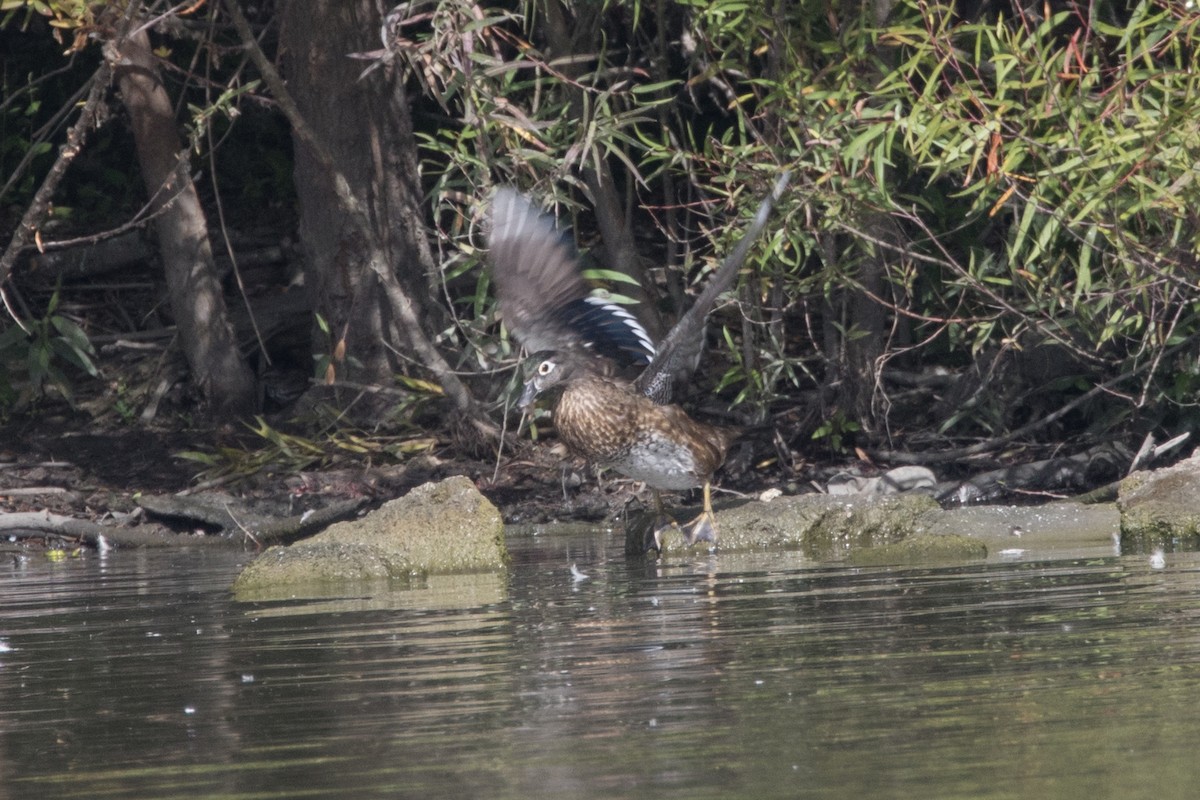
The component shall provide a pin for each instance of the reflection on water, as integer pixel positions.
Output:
(136, 675)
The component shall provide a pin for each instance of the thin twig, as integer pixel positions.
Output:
(143, 216)
(243, 528)
(44, 133)
(980, 448)
(36, 212)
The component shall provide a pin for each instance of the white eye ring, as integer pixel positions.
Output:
(545, 367)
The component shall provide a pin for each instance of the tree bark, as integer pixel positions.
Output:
(366, 126)
(866, 340)
(364, 226)
(197, 301)
(859, 389)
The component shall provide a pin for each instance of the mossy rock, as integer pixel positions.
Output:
(927, 548)
(443, 527)
(823, 527)
(1159, 508)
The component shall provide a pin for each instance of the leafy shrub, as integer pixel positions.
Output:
(40, 358)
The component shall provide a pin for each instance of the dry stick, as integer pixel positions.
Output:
(948, 261)
(32, 464)
(48, 129)
(243, 528)
(899, 457)
(229, 251)
(36, 212)
(40, 524)
(33, 491)
(54, 524)
(402, 305)
(140, 218)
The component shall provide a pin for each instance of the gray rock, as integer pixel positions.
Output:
(921, 548)
(1056, 530)
(823, 527)
(894, 481)
(1161, 508)
(444, 527)
(905, 529)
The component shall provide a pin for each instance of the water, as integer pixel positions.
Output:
(136, 675)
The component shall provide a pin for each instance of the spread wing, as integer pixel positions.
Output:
(679, 354)
(535, 273)
(542, 294)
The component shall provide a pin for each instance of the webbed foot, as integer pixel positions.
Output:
(702, 529)
(663, 524)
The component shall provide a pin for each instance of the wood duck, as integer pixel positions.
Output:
(581, 343)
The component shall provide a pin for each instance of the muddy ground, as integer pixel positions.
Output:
(66, 463)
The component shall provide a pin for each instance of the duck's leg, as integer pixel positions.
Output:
(662, 523)
(704, 527)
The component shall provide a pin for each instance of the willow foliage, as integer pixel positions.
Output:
(1035, 168)
(971, 179)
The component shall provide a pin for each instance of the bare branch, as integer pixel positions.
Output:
(34, 215)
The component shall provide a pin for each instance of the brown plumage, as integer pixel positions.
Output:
(630, 427)
(608, 422)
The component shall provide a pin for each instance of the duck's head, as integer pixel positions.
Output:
(550, 371)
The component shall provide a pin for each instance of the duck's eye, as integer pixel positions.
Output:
(545, 368)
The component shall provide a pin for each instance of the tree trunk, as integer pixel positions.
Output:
(859, 390)
(364, 223)
(866, 341)
(366, 127)
(197, 302)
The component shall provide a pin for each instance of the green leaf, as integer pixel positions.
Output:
(600, 274)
